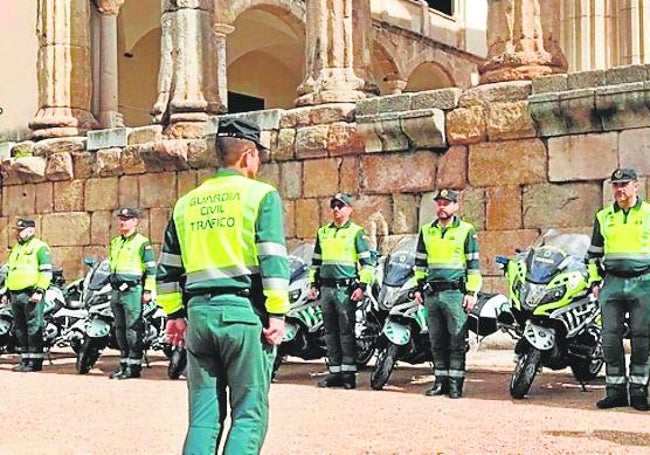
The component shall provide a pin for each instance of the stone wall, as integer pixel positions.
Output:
(528, 155)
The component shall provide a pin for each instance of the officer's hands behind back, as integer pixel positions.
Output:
(176, 331)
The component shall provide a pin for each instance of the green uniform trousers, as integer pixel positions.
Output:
(28, 320)
(226, 352)
(339, 321)
(129, 327)
(447, 323)
(617, 297)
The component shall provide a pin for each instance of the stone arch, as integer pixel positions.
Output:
(428, 76)
(385, 71)
(265, 52)
(411, 51)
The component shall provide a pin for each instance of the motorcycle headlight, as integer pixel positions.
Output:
(553, 295)
(531, 294)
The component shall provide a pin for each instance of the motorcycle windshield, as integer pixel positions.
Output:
(399, 267)
(100, 276)
(297, 268)
(299, 260)
(559, 252)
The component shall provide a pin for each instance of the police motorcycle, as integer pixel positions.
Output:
(405, 335)
(58, 317)
(98, 329)
(553, 314)
(304, 334)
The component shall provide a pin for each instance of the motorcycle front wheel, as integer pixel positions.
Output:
(177, 363)
(89, 354)
(384, 367)
(525, 372)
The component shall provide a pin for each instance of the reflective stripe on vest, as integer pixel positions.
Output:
(338, 246)
(22, 265)
(216, 228)
(125, 256)
(626, 237)
(448, 251)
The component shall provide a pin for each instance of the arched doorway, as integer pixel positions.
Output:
(265, 60)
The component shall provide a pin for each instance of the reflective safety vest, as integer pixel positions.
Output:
(339, 255)
(626, 236)
(446, 251)
(24, 270)
(338, 244)
(125, 258)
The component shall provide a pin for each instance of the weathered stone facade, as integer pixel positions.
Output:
(520, 176)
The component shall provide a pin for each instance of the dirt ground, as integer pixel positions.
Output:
(60, 412)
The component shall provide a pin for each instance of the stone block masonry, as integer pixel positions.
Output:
(527, 155)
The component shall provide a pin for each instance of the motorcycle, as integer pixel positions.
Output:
(58, 316)
(98, 329)
(553, 314)
(405, 335)
(304, 334)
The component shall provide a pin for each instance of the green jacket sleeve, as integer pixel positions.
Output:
(474, 278)
(44, 257)
(272, 254)
(149, 260)
(170, 273)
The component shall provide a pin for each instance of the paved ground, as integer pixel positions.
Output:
(60, 412)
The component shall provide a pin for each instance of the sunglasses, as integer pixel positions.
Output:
(336, 205)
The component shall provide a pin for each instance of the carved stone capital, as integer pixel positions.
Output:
(110, 7)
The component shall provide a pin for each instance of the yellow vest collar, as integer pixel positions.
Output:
(454, 223)
(345, 225)
(636, 206)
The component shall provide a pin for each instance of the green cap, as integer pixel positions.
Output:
(623, 175)
(345, 198)
(241, 129)
(450, 195)
(128, 212)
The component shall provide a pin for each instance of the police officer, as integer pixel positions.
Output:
(447, 269)
(340, 246)
(133, 279)
(29, 272)
(224, 249)
(620, 244)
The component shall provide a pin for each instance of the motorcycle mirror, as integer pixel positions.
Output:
(89, 261)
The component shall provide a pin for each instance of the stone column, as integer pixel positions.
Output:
(522, 40)
(188, 91)
(109, 116)
(634, 20)
(338, 49)
(589, 35)
(63, 67)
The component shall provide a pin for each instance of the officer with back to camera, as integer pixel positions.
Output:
(224, 251)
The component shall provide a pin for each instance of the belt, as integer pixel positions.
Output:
(330, 282)
(623, 274)
(439, 286)
(214, 292)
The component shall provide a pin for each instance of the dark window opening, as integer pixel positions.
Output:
(444, 6)
(238, 102)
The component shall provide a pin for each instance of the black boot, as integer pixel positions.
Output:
(616, 398)
(456, 387)
(331, 380)
(349, 381)
(20, 367)
(35, 365)
(119, 372)
(639, 398)
(131, 371)
(439, 387)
